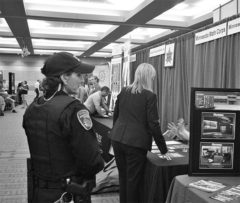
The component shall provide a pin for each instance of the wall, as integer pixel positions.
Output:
(29, 68)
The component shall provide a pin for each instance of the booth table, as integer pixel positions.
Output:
(181, 192)
(159, 173)
(102, 127)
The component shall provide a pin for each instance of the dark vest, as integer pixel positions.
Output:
(49, 148)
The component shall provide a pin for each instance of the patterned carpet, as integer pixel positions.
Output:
(13, 154)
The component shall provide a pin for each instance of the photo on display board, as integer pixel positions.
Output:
(216, 155)
(218, 100)
(218, 125)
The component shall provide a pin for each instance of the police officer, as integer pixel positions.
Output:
(63, 147)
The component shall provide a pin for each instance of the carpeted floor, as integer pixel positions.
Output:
(13, 154)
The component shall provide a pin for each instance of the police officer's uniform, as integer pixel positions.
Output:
(62, 145)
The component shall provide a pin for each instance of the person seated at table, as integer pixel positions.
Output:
(93, 83)
(82, 94)
(178, 131)
(96, 102)
(7, 98)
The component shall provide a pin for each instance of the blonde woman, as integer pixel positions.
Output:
(135, 122)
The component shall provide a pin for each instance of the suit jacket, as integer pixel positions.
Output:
(136, 120)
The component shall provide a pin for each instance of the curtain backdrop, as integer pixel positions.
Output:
(211, 64)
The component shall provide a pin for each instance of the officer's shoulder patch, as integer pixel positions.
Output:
(84, 119)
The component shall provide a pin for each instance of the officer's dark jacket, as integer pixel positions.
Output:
(136, 120)
(59, 145)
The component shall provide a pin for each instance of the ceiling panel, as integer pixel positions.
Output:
(190, 9)
(4, 28)
(103, 9)
(74, 30)
(9, 42)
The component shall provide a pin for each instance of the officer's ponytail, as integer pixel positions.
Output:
(50, 85)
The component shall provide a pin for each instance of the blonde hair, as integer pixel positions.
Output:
(143, 78)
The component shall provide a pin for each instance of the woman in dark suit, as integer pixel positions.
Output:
(135, 122)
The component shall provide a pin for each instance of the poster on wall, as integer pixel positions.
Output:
(116, 69)
(103, 73)
(169, 55)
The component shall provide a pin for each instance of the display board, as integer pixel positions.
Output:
(214, 132)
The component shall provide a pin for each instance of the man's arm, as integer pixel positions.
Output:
(97, 104)
(104, 105)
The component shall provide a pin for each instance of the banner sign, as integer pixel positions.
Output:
(126, 64)
(103, 73)
(169, 55)
(211, 34)
(233, 26)
(115, 80)
(157, 51)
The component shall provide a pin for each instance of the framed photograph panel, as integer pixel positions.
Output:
(218, 125)
(215, 155)
(214, 132)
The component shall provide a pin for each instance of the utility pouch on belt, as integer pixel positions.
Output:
(81, 188)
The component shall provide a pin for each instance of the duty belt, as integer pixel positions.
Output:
(46, 184)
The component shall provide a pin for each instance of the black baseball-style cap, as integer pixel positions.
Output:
(63, 62)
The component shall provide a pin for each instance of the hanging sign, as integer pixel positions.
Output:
(157, 51)
(126, 63)
(233, 26)
(211, 34)
(169, 55)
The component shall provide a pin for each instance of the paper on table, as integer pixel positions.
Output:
(208, 186)
(172, 155)
(228, 195)
(170, 142)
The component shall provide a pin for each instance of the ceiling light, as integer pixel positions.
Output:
(102, 54)
(8, 41)
(49, 52)
(10, 50)
(60, 43)
(143, 33)
(70, 29)
(113, 8)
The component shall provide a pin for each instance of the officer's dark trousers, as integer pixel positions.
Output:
(130, 162)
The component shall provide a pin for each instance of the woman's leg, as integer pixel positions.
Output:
(122, 170)
(24, 101)
(136, 159)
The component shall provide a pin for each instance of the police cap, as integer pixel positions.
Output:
(63, 62)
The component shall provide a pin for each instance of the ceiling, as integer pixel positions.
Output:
(92, 28)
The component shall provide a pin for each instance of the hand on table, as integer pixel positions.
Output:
(166, 156)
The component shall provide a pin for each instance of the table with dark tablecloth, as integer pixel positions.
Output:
(181, 192)
(159, 173)
(102, 127)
